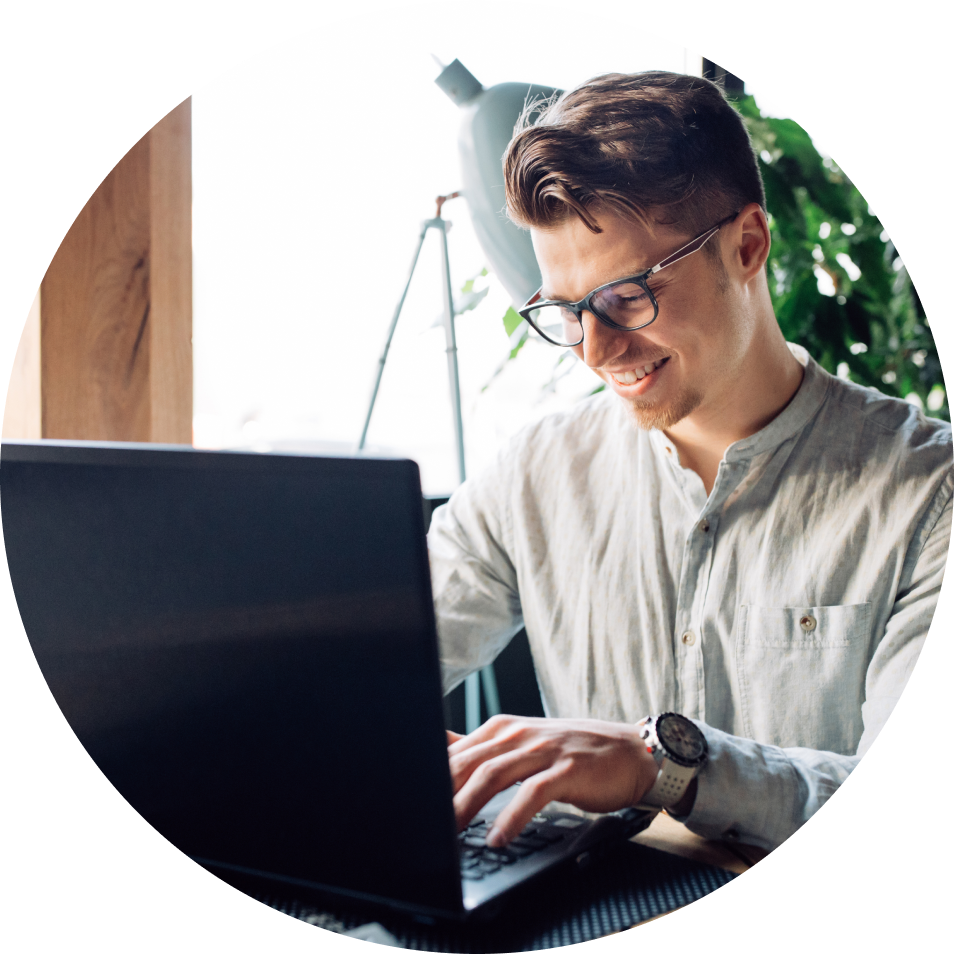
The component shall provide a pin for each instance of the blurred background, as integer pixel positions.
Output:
(309, 188)
(233, 279)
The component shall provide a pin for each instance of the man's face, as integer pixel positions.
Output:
(689, 361)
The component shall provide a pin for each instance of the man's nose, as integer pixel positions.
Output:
(601, 344)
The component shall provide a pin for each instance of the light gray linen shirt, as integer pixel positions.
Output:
(642, 595)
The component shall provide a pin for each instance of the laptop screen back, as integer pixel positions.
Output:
(245, 645)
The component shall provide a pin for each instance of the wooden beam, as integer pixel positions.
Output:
(21, 413)
(170, 350)
(116, 301)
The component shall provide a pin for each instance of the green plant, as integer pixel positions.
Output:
(837, 283)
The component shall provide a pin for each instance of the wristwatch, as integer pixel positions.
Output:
(680, 751)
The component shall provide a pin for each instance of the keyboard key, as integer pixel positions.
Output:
(530, 841)
(549, 835)
(520, 851)
(472, 874)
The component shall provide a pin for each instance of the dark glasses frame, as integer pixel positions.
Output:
(585, 304)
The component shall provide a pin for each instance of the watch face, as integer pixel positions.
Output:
(681, 737)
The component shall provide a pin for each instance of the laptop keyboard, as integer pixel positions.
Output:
(477, 860)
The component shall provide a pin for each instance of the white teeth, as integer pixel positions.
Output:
(631, 377)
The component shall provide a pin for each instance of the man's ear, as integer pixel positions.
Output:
(749, 241)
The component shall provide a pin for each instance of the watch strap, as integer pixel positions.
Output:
(673, 777)
(670, 785)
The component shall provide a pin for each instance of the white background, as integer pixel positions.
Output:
(309, 187)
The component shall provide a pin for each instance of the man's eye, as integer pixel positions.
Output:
(629, 293)
(628, 290)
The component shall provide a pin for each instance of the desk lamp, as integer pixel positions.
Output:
(487, 123)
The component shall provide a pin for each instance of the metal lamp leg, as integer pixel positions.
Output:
(486, 676)
(487, 679)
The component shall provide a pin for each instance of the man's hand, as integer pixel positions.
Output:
(597, 766)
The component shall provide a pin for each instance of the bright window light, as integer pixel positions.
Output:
(304, 226)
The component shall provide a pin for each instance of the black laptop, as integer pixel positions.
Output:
(245, 644)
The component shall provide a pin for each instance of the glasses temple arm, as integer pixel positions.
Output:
(688, 249)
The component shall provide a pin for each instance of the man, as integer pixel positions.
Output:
(727, 532)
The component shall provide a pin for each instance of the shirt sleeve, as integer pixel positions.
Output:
(760, 794)
(474, 581)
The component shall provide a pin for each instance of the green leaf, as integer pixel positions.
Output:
(470, 300)
(859, 319)
(523, 340)
(511, 321)
(869, 255)
(468, 286)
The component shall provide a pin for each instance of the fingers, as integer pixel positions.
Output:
(531, 798)
(492, 777)
(480, 747)
(597, 766)
(494, 727)
(452, 737)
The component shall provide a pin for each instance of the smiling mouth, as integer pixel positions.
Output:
(631, 377)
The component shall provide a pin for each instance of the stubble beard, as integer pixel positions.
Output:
(649, 415)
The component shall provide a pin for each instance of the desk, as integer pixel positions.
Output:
(666, 834)
(670, 836)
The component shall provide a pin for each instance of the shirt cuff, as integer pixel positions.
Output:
(746, 792)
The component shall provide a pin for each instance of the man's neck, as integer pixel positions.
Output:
(771, 382)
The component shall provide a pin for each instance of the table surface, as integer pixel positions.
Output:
(666, 834)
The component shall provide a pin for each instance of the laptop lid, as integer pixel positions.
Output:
(245, 644)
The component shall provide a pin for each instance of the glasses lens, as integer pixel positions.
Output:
(558, 324)
(627, 304)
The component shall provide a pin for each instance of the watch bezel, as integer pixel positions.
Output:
(697, 762)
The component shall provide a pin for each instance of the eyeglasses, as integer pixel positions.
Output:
(626, 304)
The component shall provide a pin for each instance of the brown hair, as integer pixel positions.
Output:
(655, 146)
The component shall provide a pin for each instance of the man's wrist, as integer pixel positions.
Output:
(679, 748)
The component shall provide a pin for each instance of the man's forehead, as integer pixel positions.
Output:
(573, 260)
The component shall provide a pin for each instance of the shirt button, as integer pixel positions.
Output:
(669, 450)
(689, 638)
(808, 623)
(704, 526)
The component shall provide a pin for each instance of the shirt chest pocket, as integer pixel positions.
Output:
(802, 674)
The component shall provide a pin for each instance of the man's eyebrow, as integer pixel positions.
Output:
(633, 273)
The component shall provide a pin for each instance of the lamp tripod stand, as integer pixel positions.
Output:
(485, 677)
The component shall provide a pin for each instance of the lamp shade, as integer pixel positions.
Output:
(487, 125)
